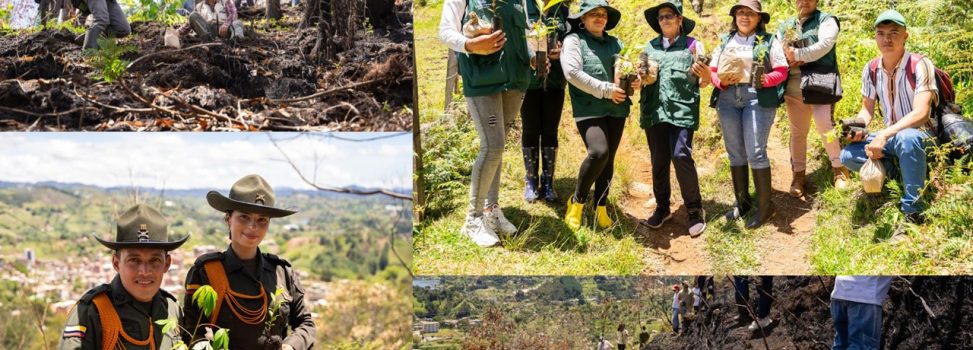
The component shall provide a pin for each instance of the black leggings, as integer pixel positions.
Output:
(602, 137)
(540, 114)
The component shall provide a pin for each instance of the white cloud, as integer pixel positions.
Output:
(201, 160)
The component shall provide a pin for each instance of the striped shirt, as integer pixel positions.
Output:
(896, 99)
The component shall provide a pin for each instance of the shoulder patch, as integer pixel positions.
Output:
(91, 293)
(74, 332)
(276, 259)
(202, 259)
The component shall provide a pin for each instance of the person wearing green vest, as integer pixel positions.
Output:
(122, 314)
(670, 112)
(540, 113)
(814, 51)
(495, 65)
(747, 112)
(599, 105)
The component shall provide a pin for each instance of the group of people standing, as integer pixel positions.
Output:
(498, 67)
(259, 298)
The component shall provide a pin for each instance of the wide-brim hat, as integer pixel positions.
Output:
(142, 226)
(753, 5)
(587, 5)
(652, 16)
(251, 194)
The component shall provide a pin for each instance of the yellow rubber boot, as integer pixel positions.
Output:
(573, 216)
(601, 214)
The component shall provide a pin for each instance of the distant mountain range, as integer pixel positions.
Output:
(282, 191)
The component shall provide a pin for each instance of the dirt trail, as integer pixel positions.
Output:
(782, 250)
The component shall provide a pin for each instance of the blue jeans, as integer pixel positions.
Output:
(908, 146)
(675, 319)
(746, 126)
(857, 326)
(765, 294)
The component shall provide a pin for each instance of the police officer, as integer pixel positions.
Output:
(122, 314)
(245, 279)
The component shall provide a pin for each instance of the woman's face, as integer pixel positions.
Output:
(806, 7)
(670, 22)
(746, 20)
(247, 230)
(595, 20)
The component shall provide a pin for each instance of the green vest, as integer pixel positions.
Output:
(507, 69)
(809, 33)
(598, 55)
(770, 97)
(674, 98)
(556, 16)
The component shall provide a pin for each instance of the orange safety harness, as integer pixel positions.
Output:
(219, 282)
(111, 326)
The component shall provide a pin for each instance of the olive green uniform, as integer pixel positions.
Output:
(246, 277)
(83, 328)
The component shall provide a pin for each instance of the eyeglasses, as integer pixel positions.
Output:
(248, 221)
(667, 17)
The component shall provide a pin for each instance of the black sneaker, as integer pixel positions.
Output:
(697, 222)
(659, 217)
(915, 218)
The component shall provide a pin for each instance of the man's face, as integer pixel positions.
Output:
(141, 270)
(247, 230)
(890, 38)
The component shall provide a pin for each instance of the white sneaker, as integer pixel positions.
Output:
(496, 221)
(764, 322)
(481, 234)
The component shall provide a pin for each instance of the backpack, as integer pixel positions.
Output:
(958, 129)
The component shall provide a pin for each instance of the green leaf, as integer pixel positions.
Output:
(221, 340)
(551, 5)
(205, 298)
(180, 345)
(167, 325)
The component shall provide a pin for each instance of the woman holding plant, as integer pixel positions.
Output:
(810, 47)
(540, 113)
(670, 110)
(495, 68)
(259, 297)
(599, 101)
(750, 67)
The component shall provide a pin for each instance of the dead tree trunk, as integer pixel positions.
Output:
(311, 13)
(337, 28)
(273, 10)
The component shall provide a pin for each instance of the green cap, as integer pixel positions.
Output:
(890, 16)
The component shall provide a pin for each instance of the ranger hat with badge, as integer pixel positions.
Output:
(251, 194)
(142, 226)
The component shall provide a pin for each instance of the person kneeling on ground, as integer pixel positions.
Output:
(907, 124)
(105, 14)
(212, 18)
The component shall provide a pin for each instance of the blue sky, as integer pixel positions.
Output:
(206, 160)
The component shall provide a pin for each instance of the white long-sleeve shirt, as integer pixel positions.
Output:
(451, 25)
(573, 65)
(827, 36)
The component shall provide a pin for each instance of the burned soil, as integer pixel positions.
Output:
(266, 81)
(920, 313)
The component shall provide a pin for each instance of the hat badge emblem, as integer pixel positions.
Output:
(143, 233)
(259, 199)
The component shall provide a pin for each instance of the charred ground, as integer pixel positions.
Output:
(270, 80)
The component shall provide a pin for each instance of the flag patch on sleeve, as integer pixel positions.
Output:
(74, 331)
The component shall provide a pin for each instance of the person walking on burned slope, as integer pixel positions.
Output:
(108, 20)
(495, 66)
(121, 314)
(246, 280)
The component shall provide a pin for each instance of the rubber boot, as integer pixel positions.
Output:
(602, 218)
(530, 180)
(765, 208)
(573, 216)
(741, 190)
(549, 158)
(797, 185)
